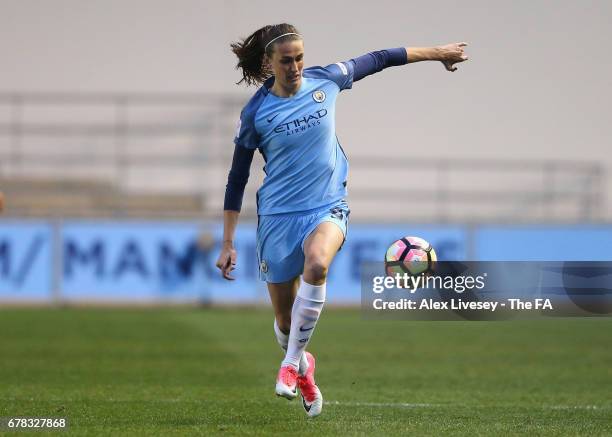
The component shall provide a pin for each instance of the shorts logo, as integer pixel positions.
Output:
(337, 213)
(318, 96)
(263, 266)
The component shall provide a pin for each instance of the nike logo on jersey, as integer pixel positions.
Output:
(269, 120)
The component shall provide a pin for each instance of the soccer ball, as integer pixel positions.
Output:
(411, 255)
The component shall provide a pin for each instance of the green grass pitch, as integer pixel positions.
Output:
(189, 371)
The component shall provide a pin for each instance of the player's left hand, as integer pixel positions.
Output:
(451, 54)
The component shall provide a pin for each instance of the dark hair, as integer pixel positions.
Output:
(251, 50)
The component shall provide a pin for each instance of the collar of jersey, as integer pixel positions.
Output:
(270, 82)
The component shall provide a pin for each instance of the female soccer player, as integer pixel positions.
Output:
(302, 212)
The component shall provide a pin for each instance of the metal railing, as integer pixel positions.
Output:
(180, 145)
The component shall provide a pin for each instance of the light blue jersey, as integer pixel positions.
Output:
(305, 166)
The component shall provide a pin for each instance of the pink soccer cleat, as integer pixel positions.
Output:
(286, 382)
(312, 399)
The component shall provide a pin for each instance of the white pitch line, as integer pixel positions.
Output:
(416, 405)
(340, 403)
(578, 407)
(381, 404)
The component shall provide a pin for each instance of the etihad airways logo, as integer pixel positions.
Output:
(302, 123)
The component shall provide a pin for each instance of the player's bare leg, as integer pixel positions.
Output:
(282, 296)
(320, 248)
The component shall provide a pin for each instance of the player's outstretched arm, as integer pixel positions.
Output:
(227, 258)
(373, 62)
(448, 54)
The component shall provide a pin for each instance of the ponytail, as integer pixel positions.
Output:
(251, 50)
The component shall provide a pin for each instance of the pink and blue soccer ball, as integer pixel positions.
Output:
(412, 255)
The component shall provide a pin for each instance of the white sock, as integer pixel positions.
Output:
(283, 339)
(304, 315)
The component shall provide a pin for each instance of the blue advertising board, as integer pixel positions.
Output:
(154, 261)
(123, 261)
(162, 261)
(543, 243)
(25, 261)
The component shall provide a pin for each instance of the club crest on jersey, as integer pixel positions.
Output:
(318, 96)
(263, 266)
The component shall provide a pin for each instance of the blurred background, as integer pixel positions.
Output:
(117, 120)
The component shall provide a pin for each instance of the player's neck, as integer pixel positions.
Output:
(285, 91)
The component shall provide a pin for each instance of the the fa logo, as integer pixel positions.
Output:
(263, 266)
(543, 304)
(318, 96)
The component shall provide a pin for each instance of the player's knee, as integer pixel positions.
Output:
(316, 270)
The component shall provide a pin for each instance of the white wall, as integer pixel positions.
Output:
(538, 83)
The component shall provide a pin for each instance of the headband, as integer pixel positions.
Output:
(280, 36)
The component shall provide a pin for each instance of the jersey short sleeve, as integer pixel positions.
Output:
(246, 135)
(341, 73)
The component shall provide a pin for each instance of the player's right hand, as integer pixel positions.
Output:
(227, 261)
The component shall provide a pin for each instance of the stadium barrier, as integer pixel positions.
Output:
(135, 261)
(159, 155)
